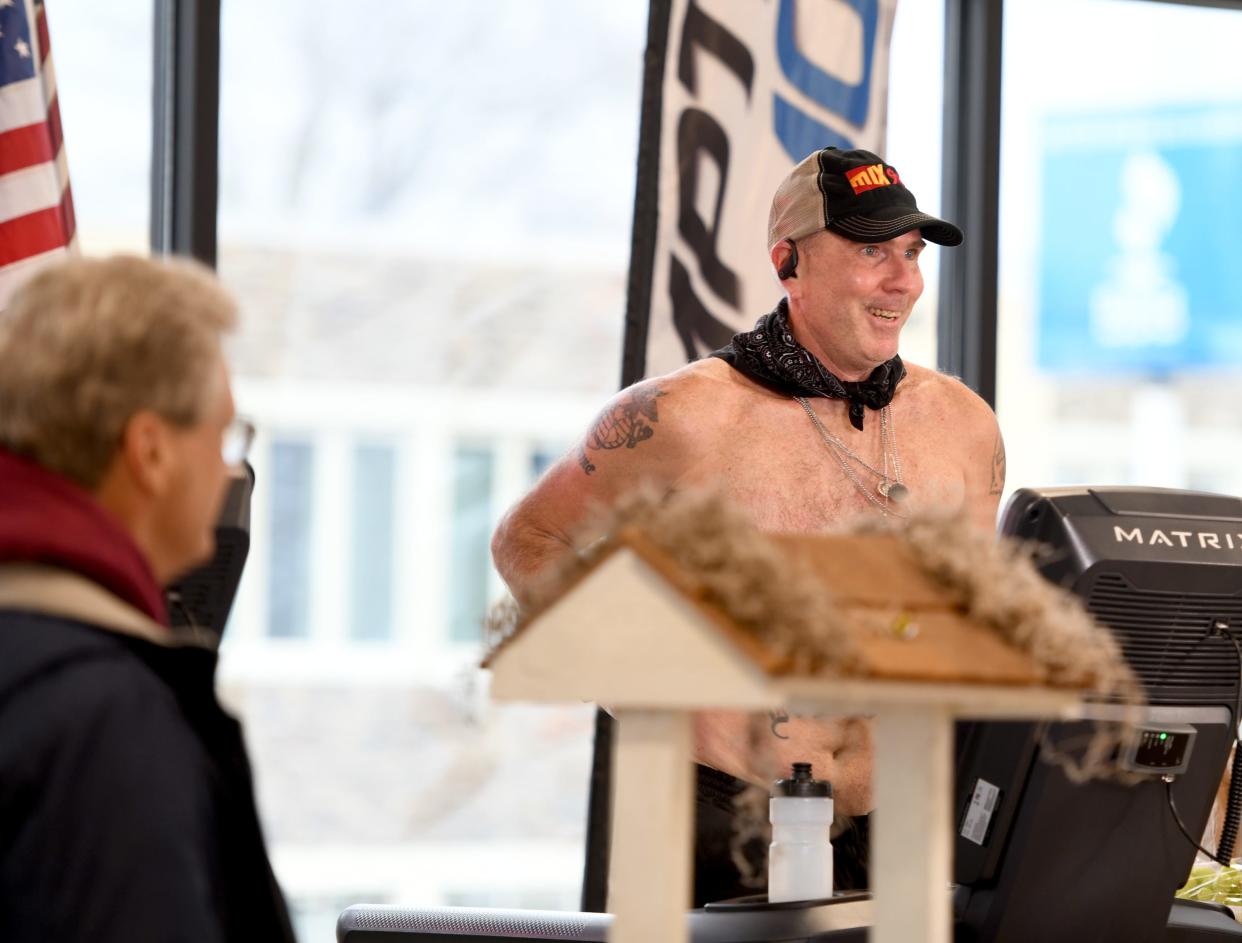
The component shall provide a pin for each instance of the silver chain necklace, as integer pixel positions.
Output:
(890, 488)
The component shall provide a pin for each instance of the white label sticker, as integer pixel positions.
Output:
(979, 813)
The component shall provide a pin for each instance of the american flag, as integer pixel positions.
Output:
(36, 207)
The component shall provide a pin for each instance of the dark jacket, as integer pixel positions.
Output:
(126, 801)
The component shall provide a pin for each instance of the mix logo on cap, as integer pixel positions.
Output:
(867, 178)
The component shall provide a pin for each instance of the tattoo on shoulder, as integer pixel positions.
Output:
(998, 467)
(624, 424)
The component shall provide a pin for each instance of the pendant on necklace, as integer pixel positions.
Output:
(893, 490)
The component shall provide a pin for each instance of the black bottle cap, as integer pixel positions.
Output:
(803, 785)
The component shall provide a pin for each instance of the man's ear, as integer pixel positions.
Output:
(784, 257)
(146, 451)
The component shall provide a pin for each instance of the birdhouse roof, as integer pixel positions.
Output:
(637, 624)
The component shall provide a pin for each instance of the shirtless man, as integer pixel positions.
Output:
(807, 421)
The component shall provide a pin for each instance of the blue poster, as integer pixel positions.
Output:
(1140, 265)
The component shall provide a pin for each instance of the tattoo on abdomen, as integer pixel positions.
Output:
(625, 424)
(779, 719)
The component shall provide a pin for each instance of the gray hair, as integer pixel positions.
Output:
(87, 343)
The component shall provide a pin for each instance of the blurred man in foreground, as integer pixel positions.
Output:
(126, 803)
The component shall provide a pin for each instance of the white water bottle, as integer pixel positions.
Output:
(800, 857)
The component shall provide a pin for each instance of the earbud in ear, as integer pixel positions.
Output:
(789, 269)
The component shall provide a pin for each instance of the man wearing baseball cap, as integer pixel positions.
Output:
(807, 421)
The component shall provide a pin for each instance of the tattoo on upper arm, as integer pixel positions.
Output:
(998, 467)
(626, 423)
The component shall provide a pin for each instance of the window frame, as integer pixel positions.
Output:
(185, 121)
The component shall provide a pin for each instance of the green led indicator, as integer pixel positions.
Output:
(1164, 736)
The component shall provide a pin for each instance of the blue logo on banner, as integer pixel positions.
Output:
(1139, 240)
(797, 131)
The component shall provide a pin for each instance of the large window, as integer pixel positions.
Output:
(1120, 315)
(429, 238)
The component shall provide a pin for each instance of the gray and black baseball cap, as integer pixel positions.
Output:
(854, 194)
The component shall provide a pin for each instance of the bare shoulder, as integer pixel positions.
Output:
(714, 377)
(951, 412)
(947, 398)
(705, 392)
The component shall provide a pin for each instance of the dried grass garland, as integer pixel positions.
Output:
(784, 605)
(1001, 587)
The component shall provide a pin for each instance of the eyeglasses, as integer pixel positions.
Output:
(235, 444)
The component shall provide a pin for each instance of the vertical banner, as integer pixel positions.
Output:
(736, 92)
(36, 206)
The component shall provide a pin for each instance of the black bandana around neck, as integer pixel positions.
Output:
(770, 355)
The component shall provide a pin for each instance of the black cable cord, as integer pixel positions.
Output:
(1233, 808)
(1233, 811)
(1168, 791)
(1226, 631)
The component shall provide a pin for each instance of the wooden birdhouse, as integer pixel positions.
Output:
(646, 637)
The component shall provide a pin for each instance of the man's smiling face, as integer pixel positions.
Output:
(851, 299)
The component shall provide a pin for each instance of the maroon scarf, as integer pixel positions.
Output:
(45, 518)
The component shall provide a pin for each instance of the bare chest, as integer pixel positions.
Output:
(777, 465)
